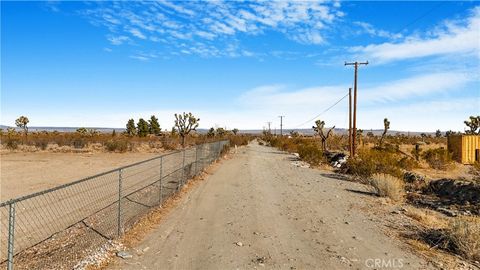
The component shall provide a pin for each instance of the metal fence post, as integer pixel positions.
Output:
(11, 235)
(119, 220)
(196, 159)
(183, 168)
(160, 182)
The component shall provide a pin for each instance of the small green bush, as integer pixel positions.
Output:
(12, 144)
(116, 146)
(438, 158)
(79, 143)
(371, 161)
(42, 144)
(311, 153)
(408, 163)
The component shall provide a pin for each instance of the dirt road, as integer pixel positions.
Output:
(260, 211)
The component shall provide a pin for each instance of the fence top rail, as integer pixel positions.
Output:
(35, 194)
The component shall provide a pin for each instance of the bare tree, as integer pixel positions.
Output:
(318, 128)
(386, 127)
(185, 123)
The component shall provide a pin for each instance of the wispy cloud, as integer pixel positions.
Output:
(369, 29)
(452, 37)
(427, 98)
(188, 27)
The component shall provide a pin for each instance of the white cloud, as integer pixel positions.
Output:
(416, 86)
(452, 37)
(372, 31)
(215, 23)
(118, 40)
(136, 33)
(419, 103)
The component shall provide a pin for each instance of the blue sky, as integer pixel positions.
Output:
(240, 64)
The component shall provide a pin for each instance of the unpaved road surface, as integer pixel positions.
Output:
(260, 211)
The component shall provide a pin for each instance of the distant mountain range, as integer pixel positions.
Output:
(305, 131)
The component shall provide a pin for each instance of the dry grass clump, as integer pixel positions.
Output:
(438, 158)
(464, 234)
(426, 217)
(389, 186)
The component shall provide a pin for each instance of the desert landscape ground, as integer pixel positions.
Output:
(27, 172)
(283, 134)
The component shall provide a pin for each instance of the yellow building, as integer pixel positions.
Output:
(464, 148)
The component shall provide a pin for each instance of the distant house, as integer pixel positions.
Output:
(464, 148)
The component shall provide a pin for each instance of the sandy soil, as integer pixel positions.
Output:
(25, 173)
(260, 211)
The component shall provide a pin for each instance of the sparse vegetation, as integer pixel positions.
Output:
(371, 161)
(117, 145)
(438, 158)
(386, 127)
(473, 124)
(311, 153)
(154, 126)
(389, 186)
(184, 124)
(464, 234)
(131, 130)
(142, 128)
(318, 128)
(22, 123)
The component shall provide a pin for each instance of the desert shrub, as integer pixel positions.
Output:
(117, 145)
(79, 143)
(438, 158)
(371, 161)
(464, 234)
(225, 149)
(42, 144)
(239, 140)
(475, 168)
(311, 153)
(408, 163)
(260, 143)
(12, 143)
(389, 186)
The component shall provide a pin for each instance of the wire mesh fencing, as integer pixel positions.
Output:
(59, 227)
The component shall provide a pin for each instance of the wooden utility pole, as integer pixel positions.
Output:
(354, 135)
(350, 147)
(269, 130)
(281, 125)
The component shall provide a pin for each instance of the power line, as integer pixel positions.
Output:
(326, 110)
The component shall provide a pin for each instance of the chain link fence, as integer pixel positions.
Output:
(59, 227)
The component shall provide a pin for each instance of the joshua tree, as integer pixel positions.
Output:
(184, 123)
(235, 131)
(438, 133)
(360, 136)
(114, 133)
(211, 133)
(318, 128)
(81, 131)
(154, 126)
(131, 130)
(142, 128)
(22, 122)
(473, 123)
(386, 127)
(221, 132)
